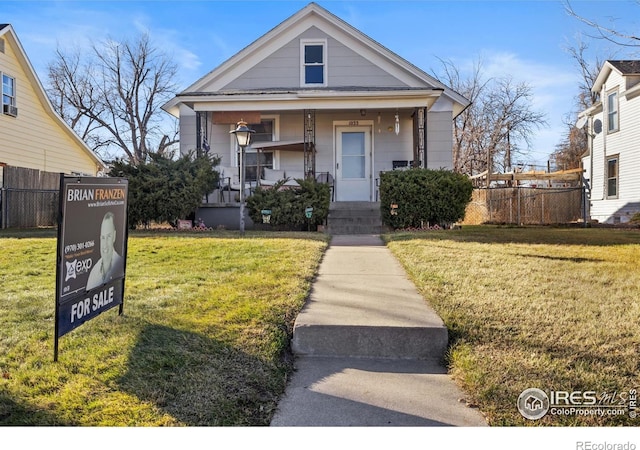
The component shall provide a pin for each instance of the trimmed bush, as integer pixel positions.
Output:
(164, 189)
(424, 197)
(288, 204)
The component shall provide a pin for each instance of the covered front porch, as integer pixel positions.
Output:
(346, 148)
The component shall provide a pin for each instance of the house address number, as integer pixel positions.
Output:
(353, 123)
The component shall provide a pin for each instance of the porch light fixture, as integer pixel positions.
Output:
(397, 126)
(243, 138)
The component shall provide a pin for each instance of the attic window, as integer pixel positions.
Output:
(612, 111)
(1, 45)
(8, 90)
(313, 55)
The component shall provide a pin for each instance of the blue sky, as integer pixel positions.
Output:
(526, 40)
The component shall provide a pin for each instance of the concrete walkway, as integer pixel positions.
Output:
(369, 349)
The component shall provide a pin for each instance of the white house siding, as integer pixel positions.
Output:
(34, 139)
(188, 130)
(626, 143)
(439, 140)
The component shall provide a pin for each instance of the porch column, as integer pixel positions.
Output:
(419, 137)
(310, 143)
(198, 133)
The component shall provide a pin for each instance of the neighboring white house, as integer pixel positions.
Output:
(323, 98)
(612, 162)
(32, 134)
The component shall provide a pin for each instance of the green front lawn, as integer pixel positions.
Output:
(203, 339)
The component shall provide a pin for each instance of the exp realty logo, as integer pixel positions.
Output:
(77, 267)
(535, 403)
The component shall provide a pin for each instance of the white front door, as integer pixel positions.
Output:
(353, 163)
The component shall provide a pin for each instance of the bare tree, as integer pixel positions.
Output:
(568, 153)
(497, 126)
(111, 96)
(608, 32)
(589, 70)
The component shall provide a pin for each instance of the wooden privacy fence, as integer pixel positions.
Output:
(525, 206)
(28, 198)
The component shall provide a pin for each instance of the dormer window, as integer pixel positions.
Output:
(313, 55)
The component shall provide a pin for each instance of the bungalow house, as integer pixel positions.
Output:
(612, 161)
(325, 101)
(36, 144)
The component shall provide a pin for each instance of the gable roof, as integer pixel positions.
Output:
(7, 32)
(623, 67)
(418, 82)
(626, 67)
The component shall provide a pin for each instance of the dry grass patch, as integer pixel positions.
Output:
(552, 308)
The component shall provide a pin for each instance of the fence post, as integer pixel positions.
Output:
(518, 215)
(511, 208)
(3, 208)
(584, 200)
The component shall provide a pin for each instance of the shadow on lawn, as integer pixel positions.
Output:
(18, 413)
(200, 381)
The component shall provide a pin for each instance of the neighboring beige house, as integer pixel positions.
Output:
(324, 99)
(612, 162)
(32, 134)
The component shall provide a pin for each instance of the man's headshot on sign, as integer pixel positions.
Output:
(110, 263)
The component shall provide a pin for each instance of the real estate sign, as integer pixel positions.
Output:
(92, 249)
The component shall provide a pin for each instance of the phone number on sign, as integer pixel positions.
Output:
(79, 246)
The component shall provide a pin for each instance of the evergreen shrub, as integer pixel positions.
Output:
(288, 204)
(424, 197)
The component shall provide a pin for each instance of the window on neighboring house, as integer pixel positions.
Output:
(8, 90)
(612, 112)
(314, 65)
(612, 177)
(264, 132)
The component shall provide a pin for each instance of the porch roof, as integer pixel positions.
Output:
(292, 146)
(279, 99)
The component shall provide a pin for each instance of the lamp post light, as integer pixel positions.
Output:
(243, 138)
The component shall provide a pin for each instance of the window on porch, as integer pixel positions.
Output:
(264, 132)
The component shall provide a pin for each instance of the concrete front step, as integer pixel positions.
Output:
(335, 230)
(362, 305)
(354, 218)
(370, 341)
